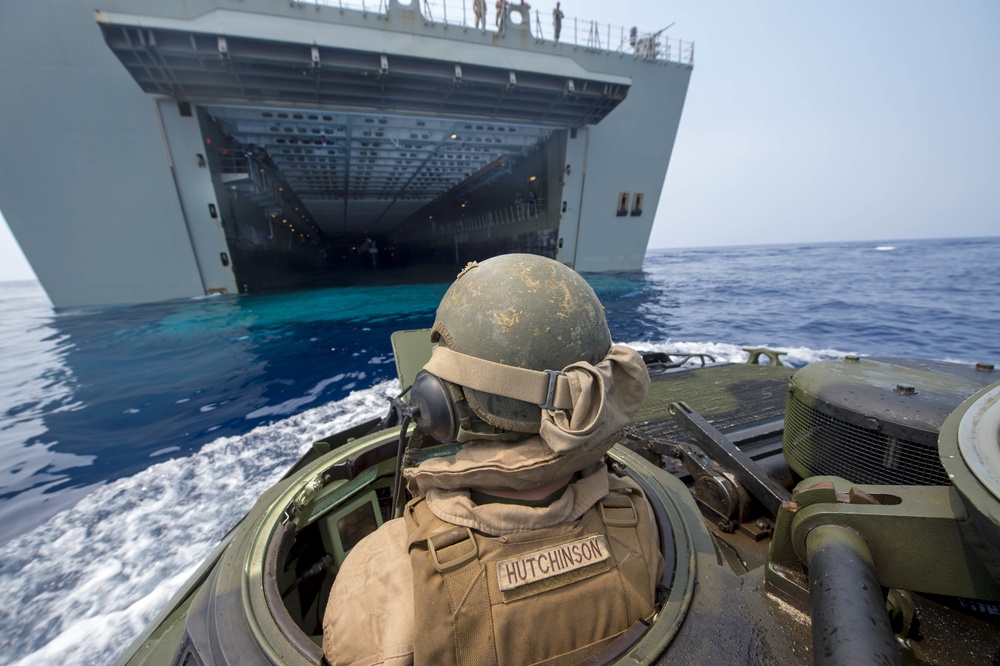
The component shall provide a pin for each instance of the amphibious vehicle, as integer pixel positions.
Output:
(844, 512)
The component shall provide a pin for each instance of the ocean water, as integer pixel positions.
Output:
(132, 438)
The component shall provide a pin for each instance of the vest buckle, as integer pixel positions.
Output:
(447, 539)
(618, 510)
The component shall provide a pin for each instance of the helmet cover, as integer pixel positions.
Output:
(526, 311)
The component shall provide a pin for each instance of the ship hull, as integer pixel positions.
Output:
(143, 162)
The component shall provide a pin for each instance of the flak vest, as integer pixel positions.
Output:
(550, 596)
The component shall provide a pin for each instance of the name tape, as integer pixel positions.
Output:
(541, 564)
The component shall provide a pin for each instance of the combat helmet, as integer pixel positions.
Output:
(516, 311)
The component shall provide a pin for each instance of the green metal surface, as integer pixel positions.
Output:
(916, 394)
(728, 396)
(718, 391)
(968, 471)
(874, 420)
(914, 532)
(412, 350)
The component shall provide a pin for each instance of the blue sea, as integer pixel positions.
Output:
(132, 438)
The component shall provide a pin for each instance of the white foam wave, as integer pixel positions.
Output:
(79, 588)
(885, 248)
(729, 353)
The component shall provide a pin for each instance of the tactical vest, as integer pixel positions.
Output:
(551, 596)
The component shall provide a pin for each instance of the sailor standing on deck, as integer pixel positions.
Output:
(520, 547)
(557, 17)
(479, 9)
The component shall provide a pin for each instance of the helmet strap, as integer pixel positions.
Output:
(549, 389)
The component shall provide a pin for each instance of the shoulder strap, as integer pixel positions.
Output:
(621, 520)
(447, 574)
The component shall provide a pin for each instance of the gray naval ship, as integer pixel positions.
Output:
(153, 150)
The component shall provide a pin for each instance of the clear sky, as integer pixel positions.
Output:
(810, 121)
(823, 121)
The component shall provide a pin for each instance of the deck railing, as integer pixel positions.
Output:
(590, 35)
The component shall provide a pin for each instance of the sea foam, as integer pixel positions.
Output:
(81, 587)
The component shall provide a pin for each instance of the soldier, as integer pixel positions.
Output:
(479, 8)
(501, 18)
(557, 17)
(523, 527)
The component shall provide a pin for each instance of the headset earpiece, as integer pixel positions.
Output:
(434, 412)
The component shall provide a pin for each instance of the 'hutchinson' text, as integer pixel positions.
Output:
(542, 564)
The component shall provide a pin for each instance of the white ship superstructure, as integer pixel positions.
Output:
(155, 150)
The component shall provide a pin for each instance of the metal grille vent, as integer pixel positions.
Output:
(827, 446)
